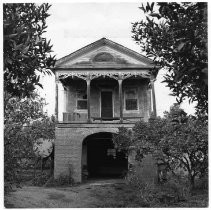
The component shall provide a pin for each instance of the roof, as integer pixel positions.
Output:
(92, 58)
(100, 42)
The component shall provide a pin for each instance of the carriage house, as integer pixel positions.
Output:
(99, 88)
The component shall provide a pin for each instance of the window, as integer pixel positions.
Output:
(81, 100)
(131, 99)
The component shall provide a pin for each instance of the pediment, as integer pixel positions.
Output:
(104, 53)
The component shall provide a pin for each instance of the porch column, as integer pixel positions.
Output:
(56, 99)
(153, 97)
(120, 100)
(88, 99)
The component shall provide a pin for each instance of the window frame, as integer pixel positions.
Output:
(81, 99)
(136, 97)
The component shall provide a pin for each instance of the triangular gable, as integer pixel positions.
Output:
(104, 53)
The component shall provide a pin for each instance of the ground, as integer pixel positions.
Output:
(97, 193)
(92, 194)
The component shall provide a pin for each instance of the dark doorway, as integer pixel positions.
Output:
(102, 159)
(106, 105)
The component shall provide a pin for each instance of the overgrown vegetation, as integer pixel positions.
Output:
(178, 141)
(26, 50)
(27, 53)
(24, 122)
(174, 35)
(62, 180)
(167, 194)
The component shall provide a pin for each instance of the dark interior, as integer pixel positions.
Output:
(102, 159)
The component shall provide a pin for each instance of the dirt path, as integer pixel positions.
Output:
(101, 193)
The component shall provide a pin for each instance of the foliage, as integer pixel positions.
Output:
(174, 35)
(41, 179)
(23, 110)
(62, 180)
(173, 191)
(26, 50)
(19, 135)
(181, 145)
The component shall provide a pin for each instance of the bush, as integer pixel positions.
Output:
(174, 190)
(41, 179)
(146, 191)
(179, 141)
(202, 183)
(166, 194)
(62, 180)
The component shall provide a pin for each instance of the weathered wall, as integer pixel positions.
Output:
(144, 97)
(68, 147)
(120, 58)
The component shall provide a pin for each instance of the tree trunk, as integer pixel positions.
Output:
(192, 181)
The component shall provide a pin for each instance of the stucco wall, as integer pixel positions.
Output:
(68, 147)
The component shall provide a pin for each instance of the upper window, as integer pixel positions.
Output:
(131, 99)
(81, 100)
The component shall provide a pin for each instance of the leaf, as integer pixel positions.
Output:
(25, 50)
(8, 60)
(152, 6)
(40, 85)
(180, 46)
(22, 34)
(155, 15)
(142, 8)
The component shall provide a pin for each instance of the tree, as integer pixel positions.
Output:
(25, 122)
(174, 35)
(26, 51)
(178, 140)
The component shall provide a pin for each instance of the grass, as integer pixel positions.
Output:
(125, 195)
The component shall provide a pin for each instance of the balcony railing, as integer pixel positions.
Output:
(82, 118)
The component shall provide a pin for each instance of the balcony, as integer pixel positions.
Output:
(75, 118)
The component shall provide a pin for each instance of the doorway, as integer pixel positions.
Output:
(106, 105)
(101, 159)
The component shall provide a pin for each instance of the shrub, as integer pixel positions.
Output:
(63, 179)
(202, 183)
(24, 122)
(41, 179)
(174, 190)
(166, 194)
(179, 141)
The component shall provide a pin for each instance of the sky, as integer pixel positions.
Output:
(71, 26)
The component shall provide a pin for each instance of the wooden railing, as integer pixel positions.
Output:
(78, 117)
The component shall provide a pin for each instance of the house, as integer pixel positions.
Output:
(99, 88)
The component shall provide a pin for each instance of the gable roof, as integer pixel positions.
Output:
(105, 42)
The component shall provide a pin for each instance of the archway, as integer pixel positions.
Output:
(100, 159)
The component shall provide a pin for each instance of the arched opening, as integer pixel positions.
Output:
(100, 159)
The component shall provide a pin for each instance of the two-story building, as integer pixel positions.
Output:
(99, 88)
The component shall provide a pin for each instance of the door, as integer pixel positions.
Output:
(106, 105)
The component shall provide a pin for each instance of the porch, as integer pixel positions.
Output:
(104, 97)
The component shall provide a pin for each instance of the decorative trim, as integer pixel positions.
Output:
(57, 80)
(94, 75)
